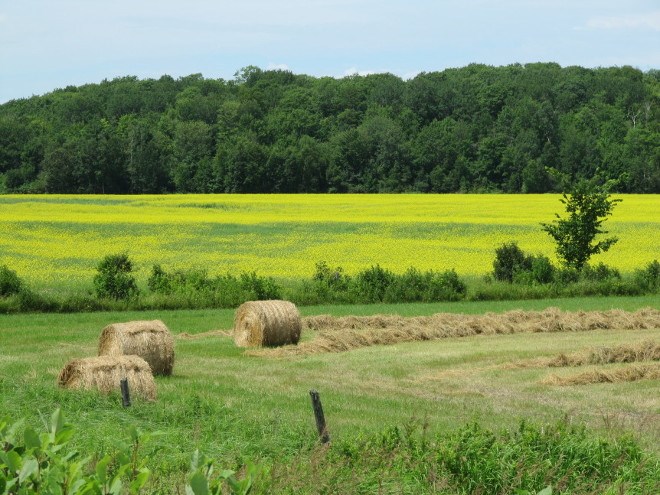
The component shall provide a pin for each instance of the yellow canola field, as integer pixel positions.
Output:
(58, 240)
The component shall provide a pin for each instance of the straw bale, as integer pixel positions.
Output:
(151, 340)
(104, 373)
(266, 323)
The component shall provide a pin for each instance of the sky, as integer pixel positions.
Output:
(49, 44)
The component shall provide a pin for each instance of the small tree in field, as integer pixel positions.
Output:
(587, 207)
(113, 279)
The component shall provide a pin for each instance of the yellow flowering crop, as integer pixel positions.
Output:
(58, 240)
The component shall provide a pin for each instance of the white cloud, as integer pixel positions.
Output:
(3, 18)
(640, 21)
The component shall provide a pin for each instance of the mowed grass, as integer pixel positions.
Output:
(57, 241)
(236, 407)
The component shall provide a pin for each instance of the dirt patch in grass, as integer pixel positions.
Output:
(340, 334)
(630, 373)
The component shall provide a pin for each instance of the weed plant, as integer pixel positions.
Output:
(561, 458)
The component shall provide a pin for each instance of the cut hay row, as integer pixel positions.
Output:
(630, 373)
(151, 340)
(202, 335)
(648, 350)
(548, 320)
(339, 334)
(104, 373)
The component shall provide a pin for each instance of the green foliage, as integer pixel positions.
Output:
(114, 279)
(509, 260)
(371, 285)
(648, 278)
(542, 270)
(45, 463)
(562, 455)
(512, 264)
(201, 290)
(260, 288)
(203, 479)
(600, 273)
(530, 460)
(520, 128)
(587, 207)
(10, 282)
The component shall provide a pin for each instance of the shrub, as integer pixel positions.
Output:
(509, 260)
(10, 283)
(159, 281)
(445, 286)
(114, 279)
(600, 273)
(333, 278)
(372, 284)
(538, 270)
(648, 278)
(542, 269)
(567, 275)
(409, 287)
(260, 288)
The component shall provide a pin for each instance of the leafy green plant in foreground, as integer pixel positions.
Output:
(44, 463)
(532, 459)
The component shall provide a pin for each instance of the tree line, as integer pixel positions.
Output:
(529, 128)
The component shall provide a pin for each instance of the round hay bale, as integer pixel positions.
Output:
(151, 340)
(104, 373)
(266, 323)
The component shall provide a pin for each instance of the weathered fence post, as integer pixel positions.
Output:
(125, 396)
(320, 418)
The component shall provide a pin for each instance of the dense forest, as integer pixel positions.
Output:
(520, 128)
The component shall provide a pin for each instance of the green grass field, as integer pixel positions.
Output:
(236, 407)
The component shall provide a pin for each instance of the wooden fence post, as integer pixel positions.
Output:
(320, 418)
(125, 396)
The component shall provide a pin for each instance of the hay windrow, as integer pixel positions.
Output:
(340, 334)
(151, 340)
(648, 350)
(630, 373)
(266, 323)
(104, 373)
(203, 335)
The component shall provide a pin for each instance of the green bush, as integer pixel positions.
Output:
(600, 273)
(648, 278)
(445, 286)
(542, 270)
(10, 283)
(372, 284)
(114, 279)
(567, 275)
(260, 288)
(194, 288)
(509, 260)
